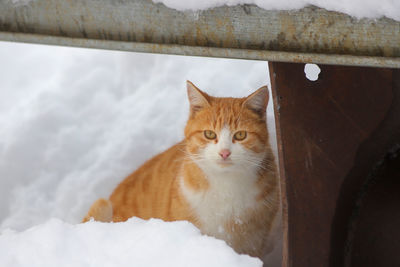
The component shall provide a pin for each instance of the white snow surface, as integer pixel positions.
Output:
(312, 71)
(356, 8)
(74, 123)
(132, 243)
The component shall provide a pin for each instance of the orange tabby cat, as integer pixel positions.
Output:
(222, 177)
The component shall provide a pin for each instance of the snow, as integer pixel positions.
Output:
(312, 71)
(356, 8)
(75, 122)
(133, 243)
(21, 2)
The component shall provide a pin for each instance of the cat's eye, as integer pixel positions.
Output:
(241, 135)
(210, 134)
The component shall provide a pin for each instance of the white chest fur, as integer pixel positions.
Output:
(229, 195)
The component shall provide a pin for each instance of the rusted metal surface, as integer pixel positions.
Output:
(373, 181)
(331, 133)
(375, 237)
(203, 51)
(307, 35)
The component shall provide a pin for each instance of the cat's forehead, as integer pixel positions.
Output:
(227, 113)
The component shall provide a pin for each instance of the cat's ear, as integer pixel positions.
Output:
(258, 101)
(197, 98)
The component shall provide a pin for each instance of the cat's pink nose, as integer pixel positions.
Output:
(224, 153)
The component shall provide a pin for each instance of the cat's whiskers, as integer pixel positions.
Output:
(246, 163)
(195, 157)
(190, 156)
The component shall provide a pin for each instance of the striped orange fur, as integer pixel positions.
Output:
(224, 180)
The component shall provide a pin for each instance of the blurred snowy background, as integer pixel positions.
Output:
(74, 122)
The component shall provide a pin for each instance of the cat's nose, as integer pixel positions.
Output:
(224, 153)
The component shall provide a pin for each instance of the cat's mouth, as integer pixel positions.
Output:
(224, 162)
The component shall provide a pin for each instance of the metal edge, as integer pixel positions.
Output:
(183, 50)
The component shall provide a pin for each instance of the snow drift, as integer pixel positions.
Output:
(132, 243)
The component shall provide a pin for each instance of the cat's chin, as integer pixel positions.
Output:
(224, 163)
(217, 166)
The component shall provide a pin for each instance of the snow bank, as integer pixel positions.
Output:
(356, 8)
(132, 243)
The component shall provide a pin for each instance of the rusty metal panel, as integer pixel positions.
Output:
(375, 235)
(249, 32)
(331, 134)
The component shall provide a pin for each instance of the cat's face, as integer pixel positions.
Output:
(225, 134)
